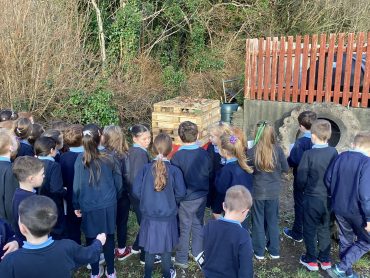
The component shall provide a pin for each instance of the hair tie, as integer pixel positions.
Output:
(233, 139)
(87, 133)
(260, 129)
(159, 156)
(18, 130)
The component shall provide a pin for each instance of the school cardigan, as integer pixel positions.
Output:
(302, 144)
(228, 250)
(8, 185)
(6, 236)
(196, 166)
(348, 180)
(54, 259)
(266, 185)
(25, 149)
(98, 194)
(137, 158)
(312, 168)
(19, 195)
(160, 205)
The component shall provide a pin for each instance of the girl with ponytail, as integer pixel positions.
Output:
(269, 162)
(159, 186)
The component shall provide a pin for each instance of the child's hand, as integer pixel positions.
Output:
(102, 238)
(78, 213)
(10, 247)
(367, 228)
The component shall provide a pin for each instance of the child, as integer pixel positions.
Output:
(310, 180)
(36, 131)
(235, 172)
(8, 115)
(305, 120)
(196, 166)
(227, 246)
(29, 172)
(58, 138)
(96, 187)
(61, 126)
(115, 144)
(269, 162)
(41, 256)
(138, 157)
(8, 182)
(28, 115)
(22, 131)
(45, 150)
(8, 241)
(73, 138)
(348, 179)
(158, 186)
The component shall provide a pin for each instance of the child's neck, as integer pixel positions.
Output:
(7, 155)
(320, 142)
(36, 240)
(233, 215)
(26, 186)
(188, 144)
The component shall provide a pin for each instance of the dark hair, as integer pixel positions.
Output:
(39, 214)
(73, 135)
(8, 115)
(43, 145)
(55, 134)
(136, 130)
(306, 118)
(23, 128)
(59, 125)
(36, 131)
(188, 132)
(322, 129)
(162, 145)
(25, 166)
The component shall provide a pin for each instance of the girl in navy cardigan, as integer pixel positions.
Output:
(97, 185)
(22, 131)
(159, 186)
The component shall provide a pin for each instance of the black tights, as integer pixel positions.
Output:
(108, 250)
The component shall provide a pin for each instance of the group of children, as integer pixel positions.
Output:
(88, 179)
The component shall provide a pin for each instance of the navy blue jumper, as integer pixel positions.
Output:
(8, 185)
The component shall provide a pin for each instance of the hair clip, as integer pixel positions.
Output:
(18, 130)
(233, 139)
(87, 132)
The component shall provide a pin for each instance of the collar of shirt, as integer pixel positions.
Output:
(230, 221)
(27, 245)
(138, 146)
(320, 146)
(230, 160)
(163, 159)
(216, 149)
(307, 134)
(76, 149)
(189, 147)
(353, 150)
(4, 158)
(25, 141)
(46, 158)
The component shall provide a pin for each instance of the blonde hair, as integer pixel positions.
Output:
(362, 140)
(234, 146)
(322, 129)
(162, 147)
(7, 140)
(114, 139)
(265, 154)
(238, 198)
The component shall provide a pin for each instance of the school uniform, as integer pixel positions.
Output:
(6, 235)
(217, 163)
(227, 256)
(8, 185)
(196, 166)
(316, 218)
(55, 259)
(67, 162)
(25, 149)
(52, 187)
(265, 209)
(348, 179)
(19, 195)
(302, 144)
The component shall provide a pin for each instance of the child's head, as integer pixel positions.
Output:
(162, 147)
(73, 135)
(265, 139)
(362, 141)
(321, 131)
(238, 200)
(37, 216)
(36, 131)
(56, 135)
(27, 115)
(23, 128)
(29, 170)
(216, 130)
(8, 115)
(305, 120)
(8, 143)
(232, 147)
(188, 132)
(59, 125)
(140, 135)
(114, 139)
(45, 146)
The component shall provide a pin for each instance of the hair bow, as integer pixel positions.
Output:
(87, 133)
(233, 139)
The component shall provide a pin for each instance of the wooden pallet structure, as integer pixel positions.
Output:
(167, 116)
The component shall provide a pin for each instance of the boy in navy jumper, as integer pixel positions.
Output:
(196, 167)
(41, 256)
(228, 248)
(305, 120)
(310, 180)
(348, 180)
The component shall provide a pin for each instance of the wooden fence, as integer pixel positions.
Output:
(334, 68)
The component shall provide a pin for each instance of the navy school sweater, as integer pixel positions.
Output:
(19, 195)
(55, 259)
(215, 156)
(302, 144)
(228, 250)
(124, 163)
(6, 236)
(8, 185)
(348, 180)
(312, 168)
(196, 166)
(25, 149)
(138, 157)
(159, 204)
(100, 193)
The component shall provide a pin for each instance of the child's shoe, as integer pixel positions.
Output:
(173, 273)
(123, 256)
(337, 272)
(289, 234)
(101, 272)
(312, 266)
(113, 275)
(274, 257)
(260, 258)
(134, 251)
(157, 260)
(325, 264)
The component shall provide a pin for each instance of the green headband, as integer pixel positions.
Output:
(260, 129)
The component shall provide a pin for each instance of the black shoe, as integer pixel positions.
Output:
(289, 234)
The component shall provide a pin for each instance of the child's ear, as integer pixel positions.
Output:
(224, 206)
(23, 229)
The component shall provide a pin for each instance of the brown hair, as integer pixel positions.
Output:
(265, 155)
(24, 114)
(234, 146)
(362, 140)
(322, 129)
(59, 125)
(188, 132)
(25, 166)
(23, 128)
(36, 132)
(306, 118)
(114, 140)
(73, 135)
(162, 147)
(10, 125)
(7, 140)
(238, 198)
